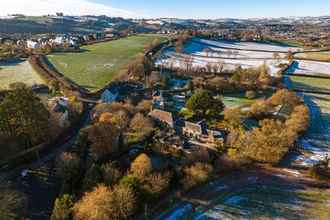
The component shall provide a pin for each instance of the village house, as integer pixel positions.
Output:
(200, 133)
(31, 44)
(60, 106)
(163, 117)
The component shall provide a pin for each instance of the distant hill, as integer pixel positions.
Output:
(67, 24)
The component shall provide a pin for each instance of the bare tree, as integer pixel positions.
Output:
(188, 63)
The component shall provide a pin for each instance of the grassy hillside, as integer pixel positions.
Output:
(97, 64)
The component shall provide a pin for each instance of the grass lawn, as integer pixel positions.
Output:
(321, 56)
(98, 64)
(18, 71)
(239, 99)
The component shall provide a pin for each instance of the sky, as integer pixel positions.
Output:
(170, 8)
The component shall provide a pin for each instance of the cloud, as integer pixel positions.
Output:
(68, 7)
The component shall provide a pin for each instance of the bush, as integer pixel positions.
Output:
(203, 104)
(131, 181)
(260, 109)
(111, 174)
(105, 139)
(233, 116)
(284, 96)
(104, 204)
(268, 144)
(63, 208)
(196, 174)
(140, 128)
(69, 168)
(93, 177)
(13, 204)
(157, 184)
(141, 166)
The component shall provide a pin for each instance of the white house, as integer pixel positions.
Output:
(32, 44)
(59, 40)
(108, 97)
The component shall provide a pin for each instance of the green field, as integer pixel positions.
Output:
(314, 84)
(321, 56)
(98, 64)
(18, 71)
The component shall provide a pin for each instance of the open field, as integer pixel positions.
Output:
(231, 54)
(317, 140)
(18, 71)
(177, 60)
(268, 47)
(256, 195)
(321, 56)
(309, 68)
(314, 84)
(199, 50)
(98, 64)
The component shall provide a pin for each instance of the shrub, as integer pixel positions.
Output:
(233, 116)
(125, 202)
(131, 181)
(104, 204)
(93, 177)
(203, 104)
(284, 96)
(63, 208)
(111, 174)
(104, 137)
(13, 204)
(140, 128)
(260, 109)
(268, 144)
(69, 168)
(196, 174)
(299, 119)
(156, 184)
(141, 166)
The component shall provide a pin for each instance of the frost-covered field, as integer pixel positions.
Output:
(18, 71)
(198, 49)
(177, 60)
(230, 54)
(249, 46)
(310, 67)
(317, 140)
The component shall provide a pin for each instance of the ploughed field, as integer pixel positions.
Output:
(18, 71)
(96, 65)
